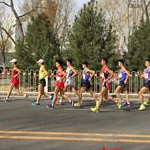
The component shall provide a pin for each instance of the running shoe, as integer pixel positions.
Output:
(142, 107)
(49, 106)
(119, 105)
(60, 101)
(7, 100)
(72, 103)
(94, 110)
(125, 104)
(145, 102)
(26, 96)
(35, 104)
(77, 105)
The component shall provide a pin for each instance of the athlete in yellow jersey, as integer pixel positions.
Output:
(42, 83)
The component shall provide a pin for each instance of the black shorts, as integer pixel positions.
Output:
(42, 82)
(125, 87)
(147, 85)
(86, 84)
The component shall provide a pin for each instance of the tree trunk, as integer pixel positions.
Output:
(18, 21)
(3, 59)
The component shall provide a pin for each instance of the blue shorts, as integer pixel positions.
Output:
(147, 85)
(124, 86)
(86, 84)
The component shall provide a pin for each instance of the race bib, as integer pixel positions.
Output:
(146, 75)
(102, 75)
(120, 75)
(58, 78)
(84, 76)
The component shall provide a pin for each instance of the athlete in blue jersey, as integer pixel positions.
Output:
(146, 85)
(123, 85)
(86, 77)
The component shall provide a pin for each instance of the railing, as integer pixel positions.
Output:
(29, 82)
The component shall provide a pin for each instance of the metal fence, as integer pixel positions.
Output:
(29, 81)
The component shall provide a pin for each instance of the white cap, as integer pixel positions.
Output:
(13, 61)
(40, 61)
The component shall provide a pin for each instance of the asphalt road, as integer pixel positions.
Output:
(23, 127)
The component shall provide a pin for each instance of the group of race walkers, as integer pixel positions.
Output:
(65, 80)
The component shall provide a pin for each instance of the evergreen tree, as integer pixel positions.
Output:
(91, 37)
(139, 46)
(40, 42)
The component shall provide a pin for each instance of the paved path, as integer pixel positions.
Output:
(23, 127)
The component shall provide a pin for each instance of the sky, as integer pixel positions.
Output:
(80, 3)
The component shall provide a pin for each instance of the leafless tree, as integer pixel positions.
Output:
(5, 33)
(145, 7)
(123, 15)
(64, 17)
(18, 17)
(30, 8)
(8, 25)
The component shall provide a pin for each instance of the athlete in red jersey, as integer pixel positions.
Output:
(106, 75)
(59, 84)
(14, 82)
(14, 78)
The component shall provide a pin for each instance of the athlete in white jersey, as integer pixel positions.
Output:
(71, 72)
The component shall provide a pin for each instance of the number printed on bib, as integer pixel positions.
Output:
(146, 75)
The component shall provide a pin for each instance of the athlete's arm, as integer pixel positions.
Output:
(111, 74)
(116, 75)
(149, 71)
(141, 75)
(64, 75)
(18, 70)
(75, 72)
(91, 72)
(52, 75)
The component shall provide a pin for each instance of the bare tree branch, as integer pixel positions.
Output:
(30, 8)
(26, 13)
(64, 16)
(5, 4)
(17, 17)
(145, 9)
(2, 28)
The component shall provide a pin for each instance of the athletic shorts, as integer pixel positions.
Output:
(86, 84)
(124, 86)
(69, 82)
(15, 82)
(60, 85)
(42, 82)
(147, 85)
